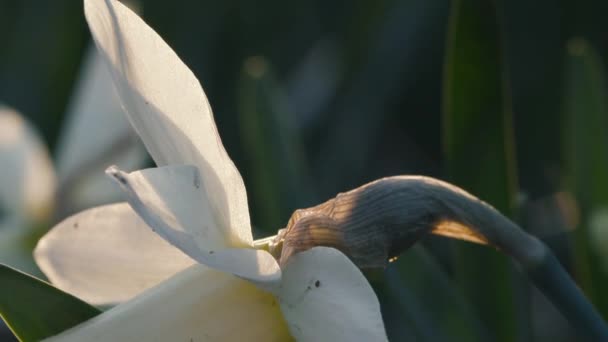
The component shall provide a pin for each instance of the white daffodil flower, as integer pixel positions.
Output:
(32, 192)
(218, 286)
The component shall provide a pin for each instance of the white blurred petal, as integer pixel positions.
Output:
(324, 297)
(107, 255)
(96, 134)
(197, 304)
(169, 110)
(27, 178)
(168, 200)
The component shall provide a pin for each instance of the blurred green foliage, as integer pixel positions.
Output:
(350, 91)
(479, 147)
(585, 145)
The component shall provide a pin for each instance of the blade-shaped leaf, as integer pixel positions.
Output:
(33, 309)
(271, 139)
(420, 302)
(585, 119)
(478, 145)
(393, 64)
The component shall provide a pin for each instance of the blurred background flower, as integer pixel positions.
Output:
(33, 195)
(27, 189)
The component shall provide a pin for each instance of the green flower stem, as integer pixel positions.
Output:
(555, 283)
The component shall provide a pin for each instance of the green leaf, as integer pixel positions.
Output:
(585, 118)
(394, 62)
(33, 309)
(479, 150)
(281, 183)
(17, 241)
(421, 293)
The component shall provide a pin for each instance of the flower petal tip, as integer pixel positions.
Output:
(117, 175)
(112, 169)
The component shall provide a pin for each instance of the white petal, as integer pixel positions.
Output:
(171, 194)
(166, 198)
(27, 178)
(197, 304)
(324, 297)
(82, 156)
(169, 110)
(107, 255)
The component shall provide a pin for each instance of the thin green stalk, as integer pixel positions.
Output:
(478, 143)
(555, 283)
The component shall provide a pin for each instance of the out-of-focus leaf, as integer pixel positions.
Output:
(281, 183)
(479, 149)
(395, 59)
(17, 240)
(398, 305)
(533, 40)
(313, 82)
(585, 120)
(35, 310)
(39, 61)
(420, 299)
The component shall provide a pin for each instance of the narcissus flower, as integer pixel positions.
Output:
(206, 279)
